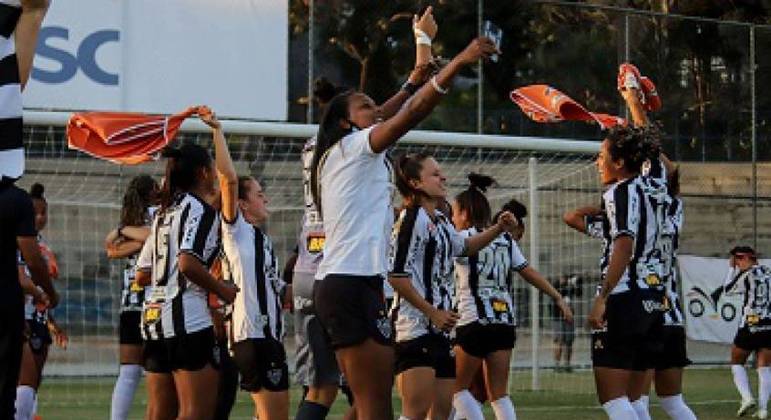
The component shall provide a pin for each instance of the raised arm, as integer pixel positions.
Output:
(25, 36)
(576, 219)
(506, 222)
(226, 172)
(425, 100)
(425, 30)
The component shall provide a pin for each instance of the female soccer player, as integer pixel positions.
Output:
(125, 242)
(257, 322)
(352, 190)
(754, 333)
(486, 330)
(631, 301)
(424, 243)
(180, 348)
(43, 330)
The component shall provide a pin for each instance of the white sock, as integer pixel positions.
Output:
(619, 409)
(764, 387)
(640, 406)
(675, 407)
(742, 382)
(34, 406)
(123, 394)
(25, 402)
(504, 409)
(466, 406)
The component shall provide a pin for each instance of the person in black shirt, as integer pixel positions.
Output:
(17, 217)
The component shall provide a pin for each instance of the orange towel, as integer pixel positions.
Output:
(123, 137)
(629, 76)
(542, 103)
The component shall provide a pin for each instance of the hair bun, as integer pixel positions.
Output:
(480, 182)
(37, 190)
(171, 152)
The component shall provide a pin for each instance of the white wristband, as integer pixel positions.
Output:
(421, 38)
(439, 89)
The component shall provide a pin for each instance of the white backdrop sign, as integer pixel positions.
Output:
(710, 314)
(161, 56)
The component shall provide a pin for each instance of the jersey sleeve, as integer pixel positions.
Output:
(457, 240)
(145, 259)
(593, 225)
(518, 261)
(402, 238)
(359, 143)
(622, 208)
(196, 231)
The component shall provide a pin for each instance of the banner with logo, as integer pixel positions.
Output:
(710, 313)
(162, 56)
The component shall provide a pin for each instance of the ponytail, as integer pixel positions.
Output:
(474, 202)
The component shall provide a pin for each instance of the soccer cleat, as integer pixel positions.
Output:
(746, 406)
(761, 414)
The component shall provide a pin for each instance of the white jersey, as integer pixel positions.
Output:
(754, 283)
(174, 305)
(485, 282)
(422, 249)
(310, 245)
(356, 191)
(251, 264)
(11, 134)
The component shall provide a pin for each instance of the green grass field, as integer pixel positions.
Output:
(710, 392)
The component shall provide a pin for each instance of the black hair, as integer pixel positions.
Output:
(673, 183)
(474, 202)
(182, 170)
(743, 249)
(324, 90)
(330, 132)
(634, 145)
(407, 168)
(136, 200)
(516, 208)
(36, 192)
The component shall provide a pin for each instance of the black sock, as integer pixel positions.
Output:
(311, 411)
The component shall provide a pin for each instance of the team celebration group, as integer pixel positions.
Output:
(418, 297)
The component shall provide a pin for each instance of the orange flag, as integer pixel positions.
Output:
(543, 103)
(123, 137)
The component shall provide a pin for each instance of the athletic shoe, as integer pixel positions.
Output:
(762, 414)
(746, 406)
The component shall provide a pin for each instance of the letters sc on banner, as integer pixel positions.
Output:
(83, 59)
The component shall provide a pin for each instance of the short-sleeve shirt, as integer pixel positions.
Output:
(356, 191)
(17, 218)
(485, 281)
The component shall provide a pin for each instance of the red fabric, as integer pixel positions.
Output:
(542, 103)
(630, 76)
(123, 137)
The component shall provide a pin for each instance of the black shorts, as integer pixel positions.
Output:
(189, 352)
(481, 340)
(129, 329)
(634, 339)
(352, 309)
(39, 338)
(429, 350)
(749, 340)
(262, 364)
(11, 342)
(674, 354)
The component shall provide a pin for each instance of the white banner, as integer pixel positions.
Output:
(162, 56)
(710, 314)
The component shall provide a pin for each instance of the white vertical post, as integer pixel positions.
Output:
(535, 294)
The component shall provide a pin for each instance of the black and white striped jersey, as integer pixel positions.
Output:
(173, 304)
(250, 263)
(310, 245)
(485, 281)
(11, 144)
(669, 244)
(636, 207)
(422, 249)
(133, 295)
(754, 283)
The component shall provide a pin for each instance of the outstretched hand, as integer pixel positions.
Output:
(426, 23)
(481, 47)
(208, 117)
